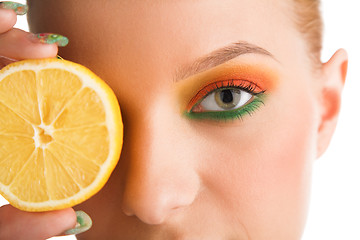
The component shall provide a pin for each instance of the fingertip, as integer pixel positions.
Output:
(17, 44)
(35, 225)
(53, 223)
(40, 50)
(7, 19)
(37, 49)
(66, 218)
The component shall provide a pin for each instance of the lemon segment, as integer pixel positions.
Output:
(18, 92)
(78, 112)
(13, 124)
(94, 151)
(52, 101)
(31, 176)
(14, 152)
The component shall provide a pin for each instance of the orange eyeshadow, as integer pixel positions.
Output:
(264, 77)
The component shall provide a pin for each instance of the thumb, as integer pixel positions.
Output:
(17, 224)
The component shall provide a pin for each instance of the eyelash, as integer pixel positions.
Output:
(247, 109)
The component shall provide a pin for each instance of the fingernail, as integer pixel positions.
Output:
(50, 38)
(83, 224)
(20, 9)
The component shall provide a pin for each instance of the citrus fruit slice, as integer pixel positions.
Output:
(60, 134)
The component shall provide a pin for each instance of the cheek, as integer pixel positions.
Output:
(261, 169)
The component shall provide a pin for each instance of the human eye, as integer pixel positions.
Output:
(226, 100)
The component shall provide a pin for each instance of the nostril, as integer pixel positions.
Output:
(128, 214)
(150, 219)
(151, 214)
(153, 220)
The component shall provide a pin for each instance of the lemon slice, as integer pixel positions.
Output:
(60, 134)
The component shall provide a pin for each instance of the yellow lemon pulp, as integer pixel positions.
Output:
(60, 134)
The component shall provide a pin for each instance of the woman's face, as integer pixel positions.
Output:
(242, 172)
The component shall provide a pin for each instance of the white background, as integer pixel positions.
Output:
(335, 201)
(335, 206)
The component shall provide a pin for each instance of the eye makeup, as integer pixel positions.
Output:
(255, 100)
(244, 85)
(230, 82)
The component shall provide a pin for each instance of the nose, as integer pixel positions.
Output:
(161, 178)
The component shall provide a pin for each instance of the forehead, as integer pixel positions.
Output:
(167, 33)
(174, 21)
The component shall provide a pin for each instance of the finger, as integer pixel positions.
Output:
(17, 224)
(18, 44)
(7, 19)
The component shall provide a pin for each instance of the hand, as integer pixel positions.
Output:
(16, 44)
(17, 224)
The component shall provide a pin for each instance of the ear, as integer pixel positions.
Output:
(333, 80)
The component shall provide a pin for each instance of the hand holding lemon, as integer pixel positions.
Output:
(60, 134)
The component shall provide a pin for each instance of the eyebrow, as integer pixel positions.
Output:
(218, 57)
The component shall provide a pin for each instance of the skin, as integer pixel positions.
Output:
(179, 178)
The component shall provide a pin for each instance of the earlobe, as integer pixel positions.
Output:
(333, 76)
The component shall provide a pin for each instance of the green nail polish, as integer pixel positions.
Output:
(58, 57)
(51, 38)
(83, 224)
(20, 9)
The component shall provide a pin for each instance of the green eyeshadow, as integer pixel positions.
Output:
(238, 113)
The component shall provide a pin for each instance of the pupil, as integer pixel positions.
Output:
(226, 96)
